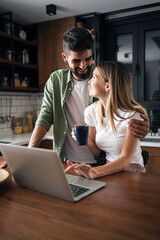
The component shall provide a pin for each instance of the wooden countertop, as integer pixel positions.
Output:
(23, 138)
(127, 208)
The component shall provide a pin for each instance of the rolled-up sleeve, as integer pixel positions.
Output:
(45, 117)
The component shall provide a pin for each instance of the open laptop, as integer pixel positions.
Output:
(41, 170)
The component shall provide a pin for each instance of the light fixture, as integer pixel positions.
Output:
(51, 9)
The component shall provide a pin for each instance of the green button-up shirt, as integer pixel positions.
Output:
(56, 91)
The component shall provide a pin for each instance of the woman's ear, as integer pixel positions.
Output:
(64, 57)
(107, 86)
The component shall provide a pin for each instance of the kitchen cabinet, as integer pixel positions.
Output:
(153, 165)
(47, 144)
(93, 22)
(50, 47)
(18, 56)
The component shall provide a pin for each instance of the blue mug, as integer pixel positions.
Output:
(81, 133)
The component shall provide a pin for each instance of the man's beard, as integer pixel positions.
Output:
(83, 75)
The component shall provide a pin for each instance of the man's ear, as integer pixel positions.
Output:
(64, 57)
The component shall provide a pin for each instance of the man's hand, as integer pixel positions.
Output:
(139, 128)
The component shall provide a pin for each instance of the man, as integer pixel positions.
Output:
(66, 95)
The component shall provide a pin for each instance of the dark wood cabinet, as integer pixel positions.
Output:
(94, 23)
(47, 144)
(153, 165)
(50, 48)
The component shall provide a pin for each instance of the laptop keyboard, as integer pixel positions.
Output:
(78, 190)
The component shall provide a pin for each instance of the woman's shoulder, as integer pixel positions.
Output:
(131, 113)
(90, 114)
(92, 107)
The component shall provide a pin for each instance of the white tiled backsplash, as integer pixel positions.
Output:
(15, 105)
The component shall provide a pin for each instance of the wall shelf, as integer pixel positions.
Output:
(18, 55)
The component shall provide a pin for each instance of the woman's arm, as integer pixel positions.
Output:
(125, 159)
(91, 146)
(118, 165)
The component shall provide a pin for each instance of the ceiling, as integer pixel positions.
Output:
(34, 11)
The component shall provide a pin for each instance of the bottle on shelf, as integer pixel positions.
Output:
(5, 81)
(10, 54)
(30, 121)
(25, 56)
(17, 80)
(9, 28)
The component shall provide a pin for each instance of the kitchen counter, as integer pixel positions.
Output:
(22, 139)
(152, 147)
(150, 141)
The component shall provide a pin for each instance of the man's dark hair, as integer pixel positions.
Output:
(77, 40)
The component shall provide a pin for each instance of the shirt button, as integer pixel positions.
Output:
(64, 132)
(70, 89)
(59, 147)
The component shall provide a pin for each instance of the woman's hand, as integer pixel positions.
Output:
(81, 169)
(73, 134)
(3, 164)
(139, 128)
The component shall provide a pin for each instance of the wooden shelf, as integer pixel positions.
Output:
(19, 89)
(33, 44)
(5, 61)
(7, 87)
(18, 64)
(27, 89)
(6, 35)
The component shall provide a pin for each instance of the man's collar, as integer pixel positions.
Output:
(69, 77)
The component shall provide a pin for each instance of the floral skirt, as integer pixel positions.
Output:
(134, 167)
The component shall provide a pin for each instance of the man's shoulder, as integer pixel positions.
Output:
(60, 72)
(60, 76)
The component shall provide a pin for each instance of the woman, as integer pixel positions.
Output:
(108, 123)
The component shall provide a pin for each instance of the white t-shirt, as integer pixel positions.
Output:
(106, 140)
(74, 109)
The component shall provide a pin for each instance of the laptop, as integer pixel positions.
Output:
(41, 170)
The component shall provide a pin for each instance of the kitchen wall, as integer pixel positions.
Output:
(16, 105)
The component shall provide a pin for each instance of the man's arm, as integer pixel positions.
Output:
(139, 128)
(38, 133)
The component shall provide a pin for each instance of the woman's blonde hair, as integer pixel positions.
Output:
(120, 93)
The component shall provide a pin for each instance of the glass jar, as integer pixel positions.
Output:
(17, 80)
(24, 82)
(5, 81)
(17, 127)
(25, 127)
(30, 121)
